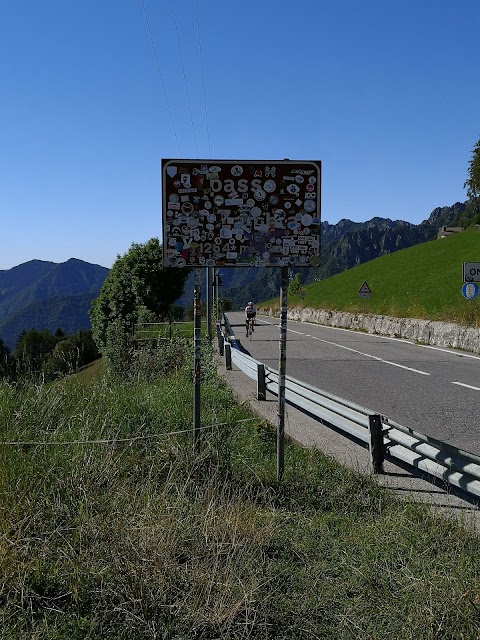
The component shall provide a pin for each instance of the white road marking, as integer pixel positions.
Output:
(368, 355)
(469, 386)
(451, 351)
(341, 346)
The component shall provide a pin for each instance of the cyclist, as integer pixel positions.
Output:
(250, 313)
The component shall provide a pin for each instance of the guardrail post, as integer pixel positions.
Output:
(228, 355)
(376, 443)
(220, 340)
(261, 386)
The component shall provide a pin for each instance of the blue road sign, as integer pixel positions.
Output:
(470, 290)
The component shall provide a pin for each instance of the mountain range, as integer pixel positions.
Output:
(343, 246)
(47, 295)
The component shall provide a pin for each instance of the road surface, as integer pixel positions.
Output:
(433, 390)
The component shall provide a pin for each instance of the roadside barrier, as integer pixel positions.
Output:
(384, 437)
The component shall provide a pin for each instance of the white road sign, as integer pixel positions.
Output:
(471, 271)
(364, 291)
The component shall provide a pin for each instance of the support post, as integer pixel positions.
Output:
(220, 340)
(209, 276)
(261, 386)
(197, 338)
(282, 367)
(217, 296)
(376, 443)
(228, 356)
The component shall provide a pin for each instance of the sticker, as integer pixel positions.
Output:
(299, 179)
(260, 195)
(173, 197)
(312, 180)
(187, 207)
(309, 205)
(174, 205)
(270, 186)
(218, 200)
(256, 212)
(208, 205)
(287, 205)
(185, 180)
(270, 171)
(294, 189)
(230, 202)
(213, 169)
(273, 199)
(310, 187)
(314, 261)
(236, 170)
(172, 171)
(211, 217)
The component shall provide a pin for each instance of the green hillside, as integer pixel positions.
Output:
(423, 281)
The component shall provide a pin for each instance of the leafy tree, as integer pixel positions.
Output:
(472, 184)
(136, 288)
(32, 349)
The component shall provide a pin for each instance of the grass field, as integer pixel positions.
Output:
(111, 528)
(423, 281)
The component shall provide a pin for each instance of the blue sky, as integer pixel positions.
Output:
(385, 93)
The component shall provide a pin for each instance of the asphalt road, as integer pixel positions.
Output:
(433, 390)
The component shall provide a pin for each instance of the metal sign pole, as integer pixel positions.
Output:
(197, 337)
(209, 301)
(219, 319)
(282, 366)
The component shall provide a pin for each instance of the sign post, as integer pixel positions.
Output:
(209, 295)
(197, 337)
(282, 366)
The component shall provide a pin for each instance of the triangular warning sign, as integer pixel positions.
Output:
(365, 289)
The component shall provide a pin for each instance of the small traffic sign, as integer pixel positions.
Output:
(470, 290)
(471, 271)
(364, 291)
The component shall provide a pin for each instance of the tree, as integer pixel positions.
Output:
(136, 287)
(472, 184)
(294, 285)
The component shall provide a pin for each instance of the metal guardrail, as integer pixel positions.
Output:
(446, 462)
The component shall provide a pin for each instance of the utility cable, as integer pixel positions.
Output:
(35, 443)
(161, 77)
(203, 80)
(184, 76)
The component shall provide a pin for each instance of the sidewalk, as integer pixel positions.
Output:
(405, 481)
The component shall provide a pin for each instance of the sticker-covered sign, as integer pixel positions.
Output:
(241, 213)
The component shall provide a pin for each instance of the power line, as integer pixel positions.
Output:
(184, 76)
(161, 77)
(203, 80)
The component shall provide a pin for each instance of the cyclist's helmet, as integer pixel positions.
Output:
(250, 304)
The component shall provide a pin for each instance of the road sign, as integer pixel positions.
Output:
(364, 291)
(471, 271)
(470, 290)
(241, 213)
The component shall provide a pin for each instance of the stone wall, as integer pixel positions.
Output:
(444, 334)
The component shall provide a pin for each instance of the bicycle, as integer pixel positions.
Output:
(249, 327)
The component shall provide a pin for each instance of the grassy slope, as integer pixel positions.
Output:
(141, 539)
(424, 281)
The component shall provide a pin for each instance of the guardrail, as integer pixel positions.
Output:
(383, 436)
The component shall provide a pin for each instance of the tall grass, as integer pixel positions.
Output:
(136, 537)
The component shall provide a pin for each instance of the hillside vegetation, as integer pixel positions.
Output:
(111, 528)
(423, 281)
